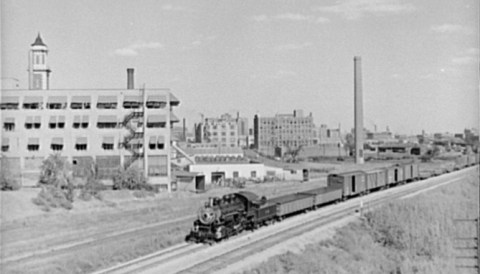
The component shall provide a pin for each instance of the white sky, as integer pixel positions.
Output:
(420, 59)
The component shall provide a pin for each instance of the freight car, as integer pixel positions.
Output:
(221, 218)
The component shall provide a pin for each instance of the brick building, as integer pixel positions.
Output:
(276, 135)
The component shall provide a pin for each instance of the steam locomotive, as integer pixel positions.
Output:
(221, 218)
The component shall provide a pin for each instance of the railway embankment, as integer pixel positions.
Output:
(414, 235)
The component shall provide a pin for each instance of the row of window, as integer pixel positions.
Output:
(223, 133)
(253, 174)
(286, 122)
(222, 126)
(9, 126)
(81, 147)
(289, 143)
(81, 105)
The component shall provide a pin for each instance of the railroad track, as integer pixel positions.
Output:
(206, 259)
(93, 239)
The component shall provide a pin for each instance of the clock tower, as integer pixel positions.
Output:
(38, 71)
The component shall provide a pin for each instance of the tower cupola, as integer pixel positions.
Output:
(38, 70)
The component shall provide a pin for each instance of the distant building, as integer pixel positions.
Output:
(226, 131)
(103, 126)
(276, 135)
(326, 137)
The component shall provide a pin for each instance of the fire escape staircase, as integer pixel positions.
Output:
(134, 134)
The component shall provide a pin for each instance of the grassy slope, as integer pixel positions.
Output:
(410, 236)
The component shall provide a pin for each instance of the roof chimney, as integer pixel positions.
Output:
(130, 78)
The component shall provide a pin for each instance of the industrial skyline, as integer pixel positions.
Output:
(419, 58)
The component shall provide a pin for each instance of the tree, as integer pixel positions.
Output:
(56, 172)
(293, 153)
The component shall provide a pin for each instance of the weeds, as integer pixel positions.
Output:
(409, 236)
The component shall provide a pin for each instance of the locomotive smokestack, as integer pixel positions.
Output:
(358, 107)
(130, 78)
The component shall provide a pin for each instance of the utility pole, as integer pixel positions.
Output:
(144, 128)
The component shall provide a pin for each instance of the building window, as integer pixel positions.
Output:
(155, 125)
(56, 147)
(107, 146)
(9, 102)
(80, 105)
(253, 174)
(33, 122)
(215, 134)
(36, 105)
(106, 124)
(235, 174)
(5, 144)
(80, 146)
(33, 147)
(224, 134)
(9, 126)
(132, 102)
(57, 102)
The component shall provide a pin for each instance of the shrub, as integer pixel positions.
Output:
(131, 178)
(92, 188)
(8, 182)
(52, 197)
(56, 182)
(55, 172)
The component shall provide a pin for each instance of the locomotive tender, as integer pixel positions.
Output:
(221, 218)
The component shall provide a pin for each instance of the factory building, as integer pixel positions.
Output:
(277, 135)
(226, 131)
(109, 127)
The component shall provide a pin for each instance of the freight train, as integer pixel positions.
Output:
(221, 218)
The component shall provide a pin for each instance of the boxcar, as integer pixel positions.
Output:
(410, 172)
(389, 176)
(395, 174)
(352, 182)
(375, 178)
(324, 195)
(292, 203)
(471, 159)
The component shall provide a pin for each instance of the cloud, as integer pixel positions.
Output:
(133, 49)
(355, 9)
(467, 57)
(293, 46)
(451, 28)
(292, 17)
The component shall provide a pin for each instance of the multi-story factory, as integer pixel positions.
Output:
(276, 135)
(226, 131)
(106, 126)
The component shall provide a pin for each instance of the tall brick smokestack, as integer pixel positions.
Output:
(130, 84)
(358, 107)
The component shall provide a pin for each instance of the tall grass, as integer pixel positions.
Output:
(415, 235)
